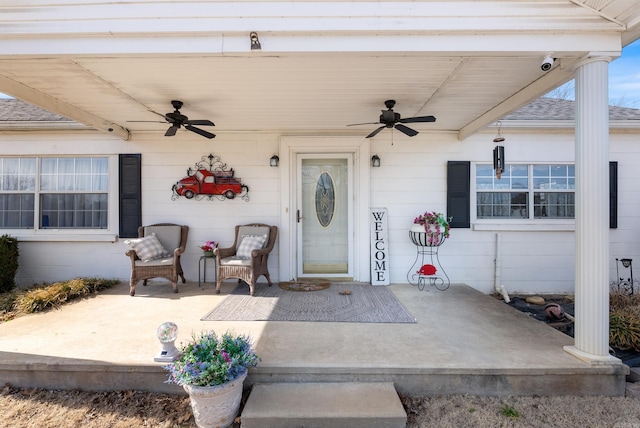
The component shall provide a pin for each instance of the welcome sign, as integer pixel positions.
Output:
(379, 247)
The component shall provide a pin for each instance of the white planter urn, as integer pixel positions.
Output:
(419, 237)
(417, 228)
(216, 406)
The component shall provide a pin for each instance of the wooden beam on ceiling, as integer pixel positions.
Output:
(25, 93)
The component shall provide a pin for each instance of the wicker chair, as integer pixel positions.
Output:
(246, 267)
(173, 238)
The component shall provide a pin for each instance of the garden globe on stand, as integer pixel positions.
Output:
(167, 334)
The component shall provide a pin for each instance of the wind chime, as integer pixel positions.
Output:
(498, 153)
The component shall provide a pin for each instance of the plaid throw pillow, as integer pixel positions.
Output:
(248, 244)
(148, 248)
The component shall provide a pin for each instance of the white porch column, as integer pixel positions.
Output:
(592, 212)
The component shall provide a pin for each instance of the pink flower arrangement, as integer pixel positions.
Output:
(435, 224)
(209, 246)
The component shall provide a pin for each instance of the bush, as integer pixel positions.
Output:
(8, 263)
(624, 329)
(624, 320)
(44, 297)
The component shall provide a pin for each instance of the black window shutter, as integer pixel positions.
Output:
(613, 195)
(459, 193)
(130, 195)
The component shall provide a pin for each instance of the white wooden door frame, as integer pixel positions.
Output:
(290, 147)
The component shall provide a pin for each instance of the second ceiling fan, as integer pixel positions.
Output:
(391, 119)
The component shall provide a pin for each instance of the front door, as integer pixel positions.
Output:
(324, 216)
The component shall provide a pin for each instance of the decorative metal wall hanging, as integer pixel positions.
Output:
(498, 153)
(210, 179)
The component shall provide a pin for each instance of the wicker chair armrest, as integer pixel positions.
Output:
(132, 254)
(260, 252)
(221, 253)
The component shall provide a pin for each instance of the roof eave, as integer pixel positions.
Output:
(562, 124)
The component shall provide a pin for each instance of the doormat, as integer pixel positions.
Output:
(364, 304)
(304, 286)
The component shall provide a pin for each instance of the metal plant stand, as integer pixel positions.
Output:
(427, 252)
(203, 261)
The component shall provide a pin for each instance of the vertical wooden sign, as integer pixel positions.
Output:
(379, 247)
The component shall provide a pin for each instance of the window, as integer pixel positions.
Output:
(539, 191)
(54, 192)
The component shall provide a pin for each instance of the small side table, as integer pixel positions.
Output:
(203, 259)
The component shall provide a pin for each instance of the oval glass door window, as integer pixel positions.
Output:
(325, 199)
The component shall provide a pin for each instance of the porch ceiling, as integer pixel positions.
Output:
(322, 66)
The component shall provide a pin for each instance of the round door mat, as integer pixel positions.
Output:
(304, 286)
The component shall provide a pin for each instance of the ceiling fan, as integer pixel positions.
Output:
(177, 119)
(391, 119)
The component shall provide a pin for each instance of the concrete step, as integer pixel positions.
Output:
(324, 405)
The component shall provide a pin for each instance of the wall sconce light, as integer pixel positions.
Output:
(274, 161)
(375, 161)
(167, 334)
(255, 43)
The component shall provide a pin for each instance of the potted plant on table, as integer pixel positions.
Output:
(212, 370)
(430, 229)
(208, 248)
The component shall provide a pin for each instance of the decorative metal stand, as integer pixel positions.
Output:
(625, 284)
(427, 252)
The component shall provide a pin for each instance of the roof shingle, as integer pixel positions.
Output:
(13, 110)
(559, 109)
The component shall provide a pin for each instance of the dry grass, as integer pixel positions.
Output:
(621, 300)
(37, 408)
(40, 298)
(473, 411)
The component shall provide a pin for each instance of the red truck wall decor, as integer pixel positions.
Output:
(210, 179)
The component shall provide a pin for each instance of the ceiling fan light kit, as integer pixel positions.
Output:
(391, 119)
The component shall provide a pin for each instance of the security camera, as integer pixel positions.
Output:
(547, 63)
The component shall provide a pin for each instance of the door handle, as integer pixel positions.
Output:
(298, 216)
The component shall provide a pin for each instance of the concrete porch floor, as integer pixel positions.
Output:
(463, 342)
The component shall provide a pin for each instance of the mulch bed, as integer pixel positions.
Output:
(566, 326)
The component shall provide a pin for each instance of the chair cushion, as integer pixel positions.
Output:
(148, 248)
(235, 261)
(248, 244)
(168, 235)
(168, 261)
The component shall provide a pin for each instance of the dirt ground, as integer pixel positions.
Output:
(31, 408)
